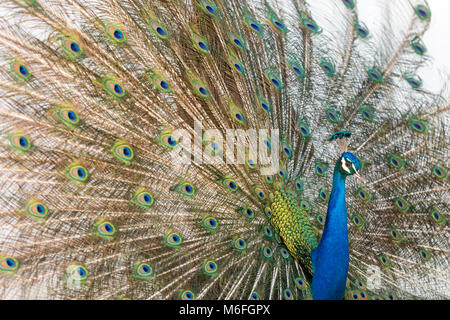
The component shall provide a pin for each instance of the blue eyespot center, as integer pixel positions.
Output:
(275, 82)
(171, 141)
(147, 198)
(118, 34)
(80, 172)
(10, 262)
(210, 9)
(188, 188)
(164, 85)
(232, 185)
(117, 88)
(212, 222)
(126, 151)
(74, 47)
(175, 238)
(256, 27)
(202, 91)
(81, 272)
(202, 45)
(238, 116)
(23, 70)
(40, 209)
(160, 31)
(71, 115)
(145, 269)
(108, 227)
(23, 142)
(237, 42)
(238, 67)
(212, 266)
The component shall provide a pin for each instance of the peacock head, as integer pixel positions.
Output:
(348, 164)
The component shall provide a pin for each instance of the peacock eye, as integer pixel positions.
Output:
(348, 164)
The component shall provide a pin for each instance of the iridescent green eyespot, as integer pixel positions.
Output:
(200, 43)
(72, 47)
(375, 74)
(8, 264)
(76, 273)
(185, 188)
(172, 239)
(167, 140)
(186, 295)
(266, 252)
(440, 172)
(20, 70)
(20, 142)
(158, 29)
(210, 268)
(210, 223)
(115, 34)
(36, 209)
(324, 194)
(239, 244)
(77, 172)
(247, 212)
(68, 116)
(402, 204)
(143, 271)
(423, 12)
(274, 79)
(105, 229)
(368, 113)
(143, 198)
(159, 81)
(123, 152)
(288, 295)
(364, 194)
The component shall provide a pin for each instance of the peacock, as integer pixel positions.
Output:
(220, 149)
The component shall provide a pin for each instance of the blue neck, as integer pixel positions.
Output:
(330, 258)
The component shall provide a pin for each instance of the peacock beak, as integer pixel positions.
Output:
(359, 177)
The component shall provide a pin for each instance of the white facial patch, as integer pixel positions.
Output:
(344, 166)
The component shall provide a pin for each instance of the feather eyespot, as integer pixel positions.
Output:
(328, 67)
(36, 209)
(267, 252)
(254, 296)
(77, 273)
(187, 295)
(72, 48)
(210, 268)
(288, 295)
(20, 70)
(300, 283)
(114, 88)
(173, 239)
(8, 264)
(123, 152)
(77, 173)
(105, 229)
(158, 29)
(423, 12)
(210, 223)
(20, 142)
(143, 198)
(115, 34)
(239, 244)
(68, 116)
(143, 271)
